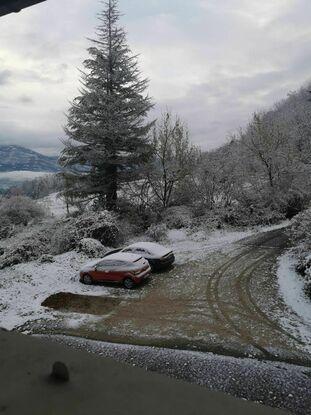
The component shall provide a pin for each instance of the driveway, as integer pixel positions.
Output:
(227, 303)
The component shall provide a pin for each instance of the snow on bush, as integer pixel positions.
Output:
(31, 247)
(63, 238)
(300, 235)
(6, 228)
(65, 235)
(20, 210)
(91, 247)
(300, 229)
(157, 232)
(177, 217)
(239, 215)
(17, 211)
(207, 221)
(101, 226)
(46, 258)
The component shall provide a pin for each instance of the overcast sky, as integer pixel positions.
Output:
(214, 62)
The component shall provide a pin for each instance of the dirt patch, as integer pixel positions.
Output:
(84, 304)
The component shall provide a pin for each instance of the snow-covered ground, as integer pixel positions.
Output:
(24, 287)
(194, 246)
(55, 205)
(291, 287)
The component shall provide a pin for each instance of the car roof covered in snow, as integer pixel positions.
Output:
(122, 256)
(153, 247)
(91, 263)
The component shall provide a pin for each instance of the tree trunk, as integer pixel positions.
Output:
(112, 190)
(271, 178)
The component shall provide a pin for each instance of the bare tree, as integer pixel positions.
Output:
(174, 158)
(266, 141)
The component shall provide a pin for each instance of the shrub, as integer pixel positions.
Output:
(300, 235)
(100, 226)
(63, 238)
(308, 289)
(177, 217)
(157, 232)
(137, 216)
(299, 231)
(46, 258)
(6, 227)
(294, 204)
(20, 210)
(91, 247)
(211, 220)
(32, 247)
(238, 215)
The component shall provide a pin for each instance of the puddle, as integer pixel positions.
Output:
(84, 304)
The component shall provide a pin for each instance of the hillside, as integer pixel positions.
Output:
(16, 158)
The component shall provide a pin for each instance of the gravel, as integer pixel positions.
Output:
(279, 385)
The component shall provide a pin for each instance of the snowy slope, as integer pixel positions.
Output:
(291, 287)
(55, 205)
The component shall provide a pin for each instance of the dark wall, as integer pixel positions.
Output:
(14, 6)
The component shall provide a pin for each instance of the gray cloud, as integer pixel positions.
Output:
(25, 99)
(46, 142)
(5, 76)
(214, 62)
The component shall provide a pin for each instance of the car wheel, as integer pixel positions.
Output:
(87, 279)
(128, 283)
(152, 264)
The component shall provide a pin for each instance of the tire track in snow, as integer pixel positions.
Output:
(242, 285)
(246, 306)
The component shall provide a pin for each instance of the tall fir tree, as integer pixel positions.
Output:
(107, 130)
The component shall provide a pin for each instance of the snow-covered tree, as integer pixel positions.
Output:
(174, 158)
(266, 140)
(107, 128)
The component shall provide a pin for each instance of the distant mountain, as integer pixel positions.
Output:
(16, 158)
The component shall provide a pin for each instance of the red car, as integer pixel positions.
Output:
(127, 269)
